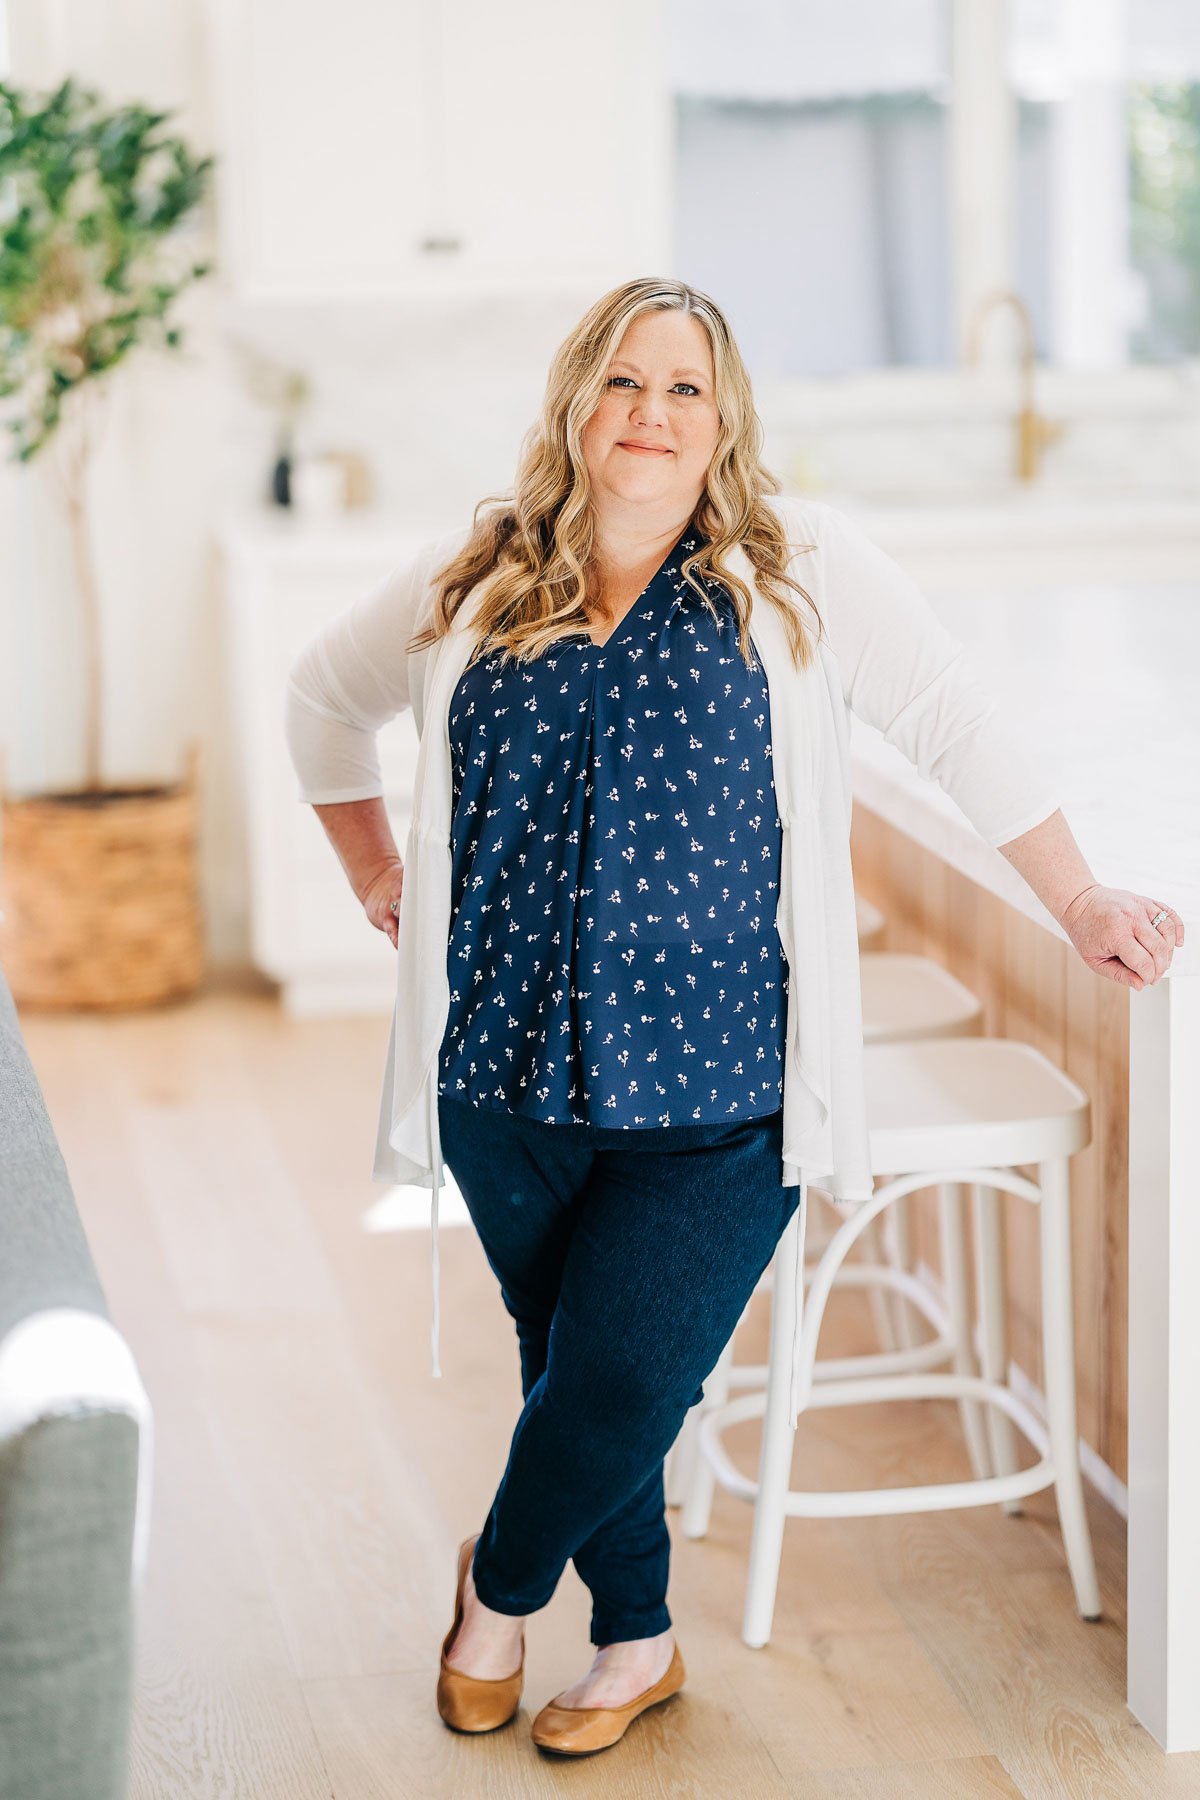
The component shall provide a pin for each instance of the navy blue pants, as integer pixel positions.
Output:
(625, 1258)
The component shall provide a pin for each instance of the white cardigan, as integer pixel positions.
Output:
(888, 658)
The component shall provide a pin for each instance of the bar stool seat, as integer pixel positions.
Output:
(906, 996)
(966, 1110)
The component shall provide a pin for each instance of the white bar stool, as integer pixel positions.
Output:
(903, 996)
(971, 1110)
(906, 997)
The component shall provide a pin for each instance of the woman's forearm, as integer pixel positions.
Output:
(360, 833)
(1050, 860)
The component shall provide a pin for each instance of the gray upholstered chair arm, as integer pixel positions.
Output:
(75, 1465)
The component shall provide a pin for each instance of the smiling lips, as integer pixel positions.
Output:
(644, 449)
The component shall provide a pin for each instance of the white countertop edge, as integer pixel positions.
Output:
(938, 521)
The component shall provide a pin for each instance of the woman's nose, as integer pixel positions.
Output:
(649, 410)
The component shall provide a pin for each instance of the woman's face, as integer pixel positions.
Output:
(659, 392)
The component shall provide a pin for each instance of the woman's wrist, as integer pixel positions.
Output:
(362, 837)
(1051, 862)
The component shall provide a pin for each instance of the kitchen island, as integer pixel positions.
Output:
(1107, 681)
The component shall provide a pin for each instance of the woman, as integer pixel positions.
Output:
(630, 840)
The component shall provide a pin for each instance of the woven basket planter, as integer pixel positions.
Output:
(99, 893)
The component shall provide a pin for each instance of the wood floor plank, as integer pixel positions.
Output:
(383, 1740)
(210, 1165)
(344, 1525)
(820, 1700)
(1044, 1687)
(966, 1778)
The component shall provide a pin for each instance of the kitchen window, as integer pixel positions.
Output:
(822, 157)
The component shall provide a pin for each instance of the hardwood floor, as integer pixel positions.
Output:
(312, 1481)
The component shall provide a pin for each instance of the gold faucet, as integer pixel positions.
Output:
(1034, 431)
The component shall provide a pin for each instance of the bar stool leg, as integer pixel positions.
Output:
(698, 1496)
(682, 1458)
(993, 1329)
(775, 1458)
(958, 1305)
(886, 1308)
(1058, 1356)
(896, 1225)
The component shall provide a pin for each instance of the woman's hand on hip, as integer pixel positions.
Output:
(377, 899)
(1111, 929)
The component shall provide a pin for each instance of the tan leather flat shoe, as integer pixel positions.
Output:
(576, 1730)
(472, 1702)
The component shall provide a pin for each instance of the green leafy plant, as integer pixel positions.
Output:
(91, 261)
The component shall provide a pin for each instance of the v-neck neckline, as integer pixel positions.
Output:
(631, 609)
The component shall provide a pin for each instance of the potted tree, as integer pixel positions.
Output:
(98, 884)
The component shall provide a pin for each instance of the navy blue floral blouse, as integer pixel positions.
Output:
(613, 955)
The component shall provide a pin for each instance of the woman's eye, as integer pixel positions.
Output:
(615, 378)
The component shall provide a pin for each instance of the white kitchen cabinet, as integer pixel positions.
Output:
(282, 580)
(401, 148)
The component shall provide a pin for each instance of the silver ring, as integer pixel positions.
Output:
(1159, 915)
(396, 908)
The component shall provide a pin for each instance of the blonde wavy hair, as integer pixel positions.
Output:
(531, 555)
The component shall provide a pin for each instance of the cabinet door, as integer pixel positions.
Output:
(321, 130)
(305, 921)
(558, 126)
(411, 148)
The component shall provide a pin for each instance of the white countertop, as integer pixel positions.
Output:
(977, 519)
(1034, 516)
(1109, 681)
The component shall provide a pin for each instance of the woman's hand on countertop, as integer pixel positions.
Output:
(1111, 929)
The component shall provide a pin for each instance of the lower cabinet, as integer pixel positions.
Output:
(282, 580)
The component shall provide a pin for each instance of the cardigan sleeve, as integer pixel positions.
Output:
(905, 673)
(351, 677)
